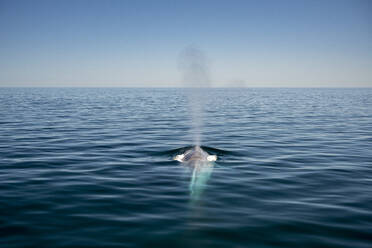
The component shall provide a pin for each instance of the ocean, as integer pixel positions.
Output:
(94, 167)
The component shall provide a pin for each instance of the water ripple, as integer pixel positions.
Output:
(95, 168)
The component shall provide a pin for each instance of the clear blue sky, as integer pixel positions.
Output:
(138, 43)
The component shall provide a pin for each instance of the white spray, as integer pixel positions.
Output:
(193, 65)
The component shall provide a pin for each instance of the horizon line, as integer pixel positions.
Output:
(211, 87)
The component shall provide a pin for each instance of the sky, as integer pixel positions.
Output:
(298, 43)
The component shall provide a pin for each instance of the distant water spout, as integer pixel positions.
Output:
(194, 67)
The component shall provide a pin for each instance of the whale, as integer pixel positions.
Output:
(201, 164)
(195, 154)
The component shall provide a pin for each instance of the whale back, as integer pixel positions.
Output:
(195, 154)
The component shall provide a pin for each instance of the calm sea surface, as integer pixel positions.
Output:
(95, 168)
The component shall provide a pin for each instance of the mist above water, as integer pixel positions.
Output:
(195, 76)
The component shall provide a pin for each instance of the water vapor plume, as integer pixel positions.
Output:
(194, 68)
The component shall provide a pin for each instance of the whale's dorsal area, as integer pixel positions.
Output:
(201, 165)
(195, 154)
